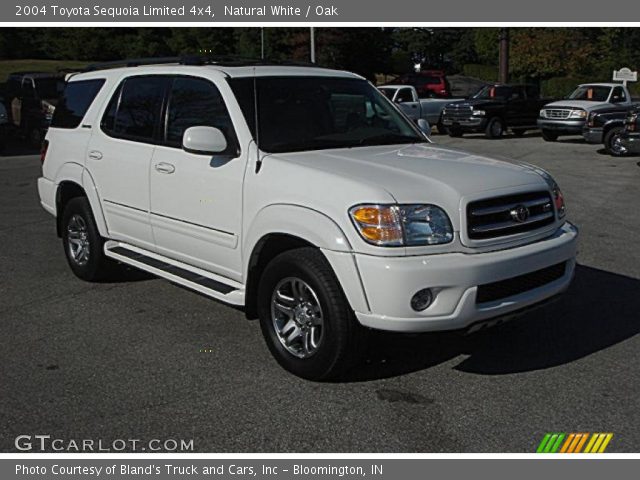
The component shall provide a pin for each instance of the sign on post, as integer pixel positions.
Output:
(625, 75)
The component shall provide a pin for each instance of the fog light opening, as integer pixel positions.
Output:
(422, 300)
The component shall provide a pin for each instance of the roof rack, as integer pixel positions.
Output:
(223, 60)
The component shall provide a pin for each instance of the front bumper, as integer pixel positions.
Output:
(389, 283)
(631, 141)
(593, 134)
(567, 127)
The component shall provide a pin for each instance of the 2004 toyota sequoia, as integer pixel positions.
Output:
(301, 194)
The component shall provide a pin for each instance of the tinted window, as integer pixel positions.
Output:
(619, 92)
(593, 93)
(49, 88)
(75, 102)
(404, 95)
(134, 110)
(196, 102)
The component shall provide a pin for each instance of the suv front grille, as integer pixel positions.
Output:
(492, 292)
(557, 113)
(508, 215)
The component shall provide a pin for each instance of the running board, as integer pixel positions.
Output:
(190, 277)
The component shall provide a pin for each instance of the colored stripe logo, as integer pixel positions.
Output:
(574, 443)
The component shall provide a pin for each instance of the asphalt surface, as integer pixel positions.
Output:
(143, 359)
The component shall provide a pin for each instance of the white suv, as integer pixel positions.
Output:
(303, 195)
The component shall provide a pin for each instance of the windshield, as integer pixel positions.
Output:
(591, 93)
(316, 113)
(491, 92)
(49, 87)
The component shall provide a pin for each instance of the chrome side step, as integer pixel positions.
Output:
(190, 277)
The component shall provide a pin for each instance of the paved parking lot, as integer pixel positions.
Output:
(144, 359)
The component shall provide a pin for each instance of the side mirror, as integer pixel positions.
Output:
(424, 127)
(398, 100)
(204, 140)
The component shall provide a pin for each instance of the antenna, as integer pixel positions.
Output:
(256, 120)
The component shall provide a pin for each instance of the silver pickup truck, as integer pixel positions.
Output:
(429, 109)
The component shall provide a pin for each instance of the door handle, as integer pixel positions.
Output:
(164, 167)
(95, 155)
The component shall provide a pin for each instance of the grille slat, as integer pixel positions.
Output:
(497, 217)
(495, 291)
(559, 113)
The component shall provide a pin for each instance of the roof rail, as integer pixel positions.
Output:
(225, 60)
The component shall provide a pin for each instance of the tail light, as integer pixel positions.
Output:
(43, 151)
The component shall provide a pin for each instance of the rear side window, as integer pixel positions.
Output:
(74, 103)
(134, 111)
(196, 102)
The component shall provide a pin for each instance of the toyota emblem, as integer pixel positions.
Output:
(520, 214)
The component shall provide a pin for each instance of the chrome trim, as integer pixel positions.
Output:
(506, 225)
(504, 208)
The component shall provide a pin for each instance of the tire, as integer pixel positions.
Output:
(320, 314)
(519, 132)
(612, 142)
(495, 128)
(83, 245)
(549, 135)
(455, 132)
(442, 130)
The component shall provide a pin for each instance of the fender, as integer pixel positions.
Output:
(317, 229)
(76, 173)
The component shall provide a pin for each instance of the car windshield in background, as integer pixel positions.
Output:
(491, 92)
(49, 88)
(591, 93)
(317, 113)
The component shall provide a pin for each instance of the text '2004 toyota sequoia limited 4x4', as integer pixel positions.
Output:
(303, 195)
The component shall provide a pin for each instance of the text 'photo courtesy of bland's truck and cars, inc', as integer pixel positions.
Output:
(277, 10)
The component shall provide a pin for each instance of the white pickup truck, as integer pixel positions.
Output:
(569, 116)
(302, 195)
(429, 109)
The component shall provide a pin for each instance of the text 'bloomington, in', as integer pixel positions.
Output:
(179, 11)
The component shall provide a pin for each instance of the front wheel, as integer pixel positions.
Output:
(549, 135)
(495, 128)
(613, 142)
(305, 318)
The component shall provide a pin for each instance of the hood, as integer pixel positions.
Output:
(421, 173)
(582, 104)
(480, 102)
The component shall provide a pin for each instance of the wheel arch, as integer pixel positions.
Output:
(279, 228)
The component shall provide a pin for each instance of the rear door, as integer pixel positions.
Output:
(119, 156)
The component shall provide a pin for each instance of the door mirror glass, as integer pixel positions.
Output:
(424, 127)
(204, 140)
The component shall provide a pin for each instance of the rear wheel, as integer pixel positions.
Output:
(613, 142)
(305, 318)
(549, 135)
(495, 128)
(83, 245)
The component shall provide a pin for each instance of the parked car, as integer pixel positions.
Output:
(630, 139)
(429, 109)
(606, 124)
(31, 98)
(569, 116)
(493, 110)
(302, 195)
(428, 83)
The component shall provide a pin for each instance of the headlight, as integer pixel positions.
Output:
(402, 225)
(578, 114)
(558, 198)
(543, 113)
(478, 113)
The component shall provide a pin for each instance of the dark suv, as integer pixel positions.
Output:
(606, 124)
(30, 98)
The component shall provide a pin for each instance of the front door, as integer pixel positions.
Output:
(196, 200)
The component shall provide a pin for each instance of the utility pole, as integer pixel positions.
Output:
(262, 43)
(504, 55)
(312, 35)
